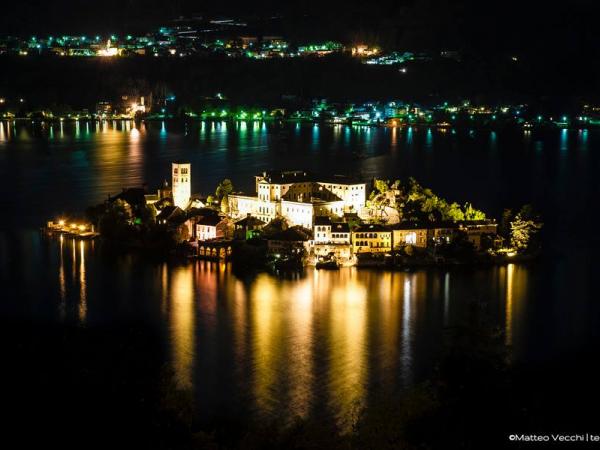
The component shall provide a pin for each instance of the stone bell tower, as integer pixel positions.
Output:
(181, 183)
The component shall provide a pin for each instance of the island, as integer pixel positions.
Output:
(295, 218)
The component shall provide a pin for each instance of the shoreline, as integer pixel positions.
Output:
(305, 121)
(181, 254)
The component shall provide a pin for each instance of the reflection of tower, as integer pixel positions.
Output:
(181, 185)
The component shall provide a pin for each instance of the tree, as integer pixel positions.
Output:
(472, 213)
(524, 228)
(225, 205)
(504, 227)
(224, 188)
(116, 220)
(275, 226)
(454, 212)
(379, 198)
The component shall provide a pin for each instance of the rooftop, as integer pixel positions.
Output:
(300, 176)
(210, 220)
(340, 227)
(371, 228)
(322, 220)
(293, 234)
(250, 221)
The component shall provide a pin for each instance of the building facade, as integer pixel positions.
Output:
(372, 238)
(181, 176)
(299, 197)
(409, 234)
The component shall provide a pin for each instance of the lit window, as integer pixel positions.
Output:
(411, 238)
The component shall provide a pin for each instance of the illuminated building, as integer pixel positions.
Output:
(409, 233)
(206, 228)
(479, 229)
(103, 109)
(170, 215)
(362, 50)
(372, 238)
(331, 239)
(249, 227)
(293, 241)
(299, 197)
(181, 184)
(321, 49)
(136, 107)
(109, 50)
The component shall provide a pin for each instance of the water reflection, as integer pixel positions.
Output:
(509, 303)
(516, 291)
(62, 308)
(82, 308)
(73, 293)
(347, 346)
(298, 347)
(319, 345)
(181, 324)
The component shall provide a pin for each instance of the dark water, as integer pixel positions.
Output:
(321, 343)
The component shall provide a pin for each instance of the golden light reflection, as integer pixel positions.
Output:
(164, 285)
(388, 319)
(394, 143)
(301, 361)
(281, 324)
(61, 281)
(182, 323)
(348, 305)
(265, 326)
(73, 261)
(82, 284)
(298, 345)
(510, 271)
(239, 301)
(405, 349)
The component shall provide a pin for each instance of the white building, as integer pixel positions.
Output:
(181, 174)
(299, 197)
(206, 228)
(331, 239)
(322, 230)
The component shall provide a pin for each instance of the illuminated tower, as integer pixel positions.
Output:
(181, 184)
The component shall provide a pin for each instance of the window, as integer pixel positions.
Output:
(411, 238)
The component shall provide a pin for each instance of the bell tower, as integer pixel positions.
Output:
(181, 183)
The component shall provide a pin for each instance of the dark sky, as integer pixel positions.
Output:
(482, 25)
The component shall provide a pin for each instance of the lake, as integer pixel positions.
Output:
(320, 343)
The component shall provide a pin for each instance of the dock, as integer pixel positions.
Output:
(76, 230)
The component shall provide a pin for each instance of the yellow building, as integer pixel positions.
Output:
(372, 238)
(408, 233)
